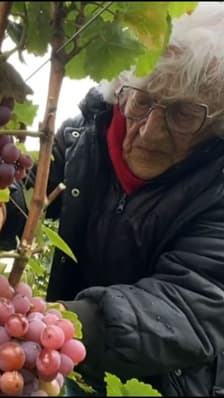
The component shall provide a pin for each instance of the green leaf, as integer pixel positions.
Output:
(81, 382)
(75, 69)
(57, 241)
(132, 388)
(36, 266)
(26, 112)
(146, 62)
(177, 8)
(39, 27)
(113, 50)
(73, 317)
(4, 195)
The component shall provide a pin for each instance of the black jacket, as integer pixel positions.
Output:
(152, 261)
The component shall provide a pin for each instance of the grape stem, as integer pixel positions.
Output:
(54, 194)
(37, 134)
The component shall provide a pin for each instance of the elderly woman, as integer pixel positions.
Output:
(143, 211)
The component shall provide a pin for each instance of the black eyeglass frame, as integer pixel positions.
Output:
(162, 106)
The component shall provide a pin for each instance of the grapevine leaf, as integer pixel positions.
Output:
(39, 27)
(176, 9)
(22, 113)
(146, 62)
(36, 266)
(132, 388)
(57, 241)
(4, 195)
(77, 377)
(75, 68)
(73, 317)
(113, 50)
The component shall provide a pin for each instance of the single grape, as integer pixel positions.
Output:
(12, 383)
(6, 290)
(52, 337)
(32, 351)
(38, 304)
(48, 363)
(67, 365)
(10, 153)
(74, 349)
(60, 379)
(9, 102)
(4, 336)
(17, 325)
(35, 315)
(34, 330)
(67, 327)
(21, 303)
(12, 356)
(25, 161)
(6, 309)
(5, 139)
(23, 289)
(7, 173)
(50, 319)
(52, 388)
(5, 115)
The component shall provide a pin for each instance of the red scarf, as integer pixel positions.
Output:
(115, 137)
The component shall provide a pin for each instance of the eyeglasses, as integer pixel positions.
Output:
(182, 117)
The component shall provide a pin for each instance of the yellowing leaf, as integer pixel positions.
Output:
(4, 195)
(177, 8)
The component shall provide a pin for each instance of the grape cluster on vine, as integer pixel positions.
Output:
(37, 345)
(13, 164)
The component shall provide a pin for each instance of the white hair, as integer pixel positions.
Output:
(193, 64)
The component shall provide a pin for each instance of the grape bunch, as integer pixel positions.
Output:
(37, 345)
(13, 164)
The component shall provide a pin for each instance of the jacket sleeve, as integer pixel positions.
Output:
(173, 319)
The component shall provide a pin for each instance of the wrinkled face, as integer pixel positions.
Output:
(159, 135)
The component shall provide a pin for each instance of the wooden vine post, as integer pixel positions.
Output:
(46, 141)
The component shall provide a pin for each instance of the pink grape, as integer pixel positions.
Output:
(34, 330)
(67, 327)
(25, 161)
(52, 337)
(23, 289)
(50, 319)
(5, 115)
(60, 379)
(35, 315)
(4, 336)
(38, 304)
(32, 351)
(12, 383)
(48, 363)
(6, 290)
(74, 349)
(39, 393)
(17, 325)
(10, 153)
(67, 365)
(6, 309)
(9, 102)
(7, 173)
(21, 303)
(12, 356)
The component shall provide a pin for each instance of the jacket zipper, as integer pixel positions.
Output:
(121, 204)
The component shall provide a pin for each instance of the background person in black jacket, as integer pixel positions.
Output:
(143, 211)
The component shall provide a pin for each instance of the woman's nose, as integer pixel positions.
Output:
(153, 124)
